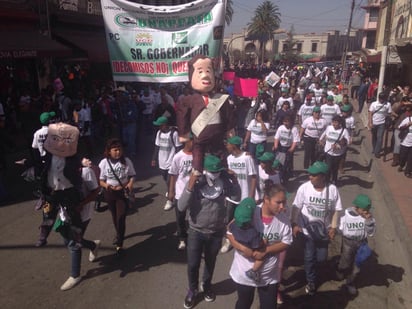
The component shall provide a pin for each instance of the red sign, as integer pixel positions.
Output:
(246, 87)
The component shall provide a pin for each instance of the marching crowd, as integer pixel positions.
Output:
(237, 196)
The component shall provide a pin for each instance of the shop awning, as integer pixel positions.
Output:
(93, 43)
(314, 59)
(29, 44)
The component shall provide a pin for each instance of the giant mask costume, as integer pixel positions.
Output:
(206, 114)
(62, 140)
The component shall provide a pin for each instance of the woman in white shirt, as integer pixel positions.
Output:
(257, 131)
(274, 225)
(117, 176)
(286, 140)
(405, 154)
(335, 138)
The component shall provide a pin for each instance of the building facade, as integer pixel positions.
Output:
(308, 47)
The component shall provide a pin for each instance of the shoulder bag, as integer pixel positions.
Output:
(129, 197)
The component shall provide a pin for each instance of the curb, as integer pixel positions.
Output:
(389, 201)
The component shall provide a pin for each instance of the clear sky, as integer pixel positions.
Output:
(306, 15)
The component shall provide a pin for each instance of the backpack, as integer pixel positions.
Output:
(172, 132)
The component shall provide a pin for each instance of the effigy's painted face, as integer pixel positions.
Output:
(62, 140)
(203, 78)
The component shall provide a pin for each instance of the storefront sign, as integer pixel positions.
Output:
(18, 54)
(153, 44)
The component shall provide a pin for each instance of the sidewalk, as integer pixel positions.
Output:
(396, 188)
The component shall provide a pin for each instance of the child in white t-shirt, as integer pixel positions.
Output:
(356, 225)
(166, 146)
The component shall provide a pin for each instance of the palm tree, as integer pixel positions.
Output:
(265, 21)
(229, 12)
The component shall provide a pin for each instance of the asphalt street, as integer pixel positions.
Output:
(152, 273)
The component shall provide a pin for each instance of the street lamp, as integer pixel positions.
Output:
(230, 44)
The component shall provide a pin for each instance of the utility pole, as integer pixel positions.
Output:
(386, 37)
(346, 45)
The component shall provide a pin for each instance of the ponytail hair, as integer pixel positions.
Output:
(271, 189)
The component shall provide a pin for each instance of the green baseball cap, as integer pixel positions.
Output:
(316, 109)
(45, 117)
(276, 164)
(260, 149)
(234, 140)
(345, 108)
(212, 164)
(318, 167)
(362, 201)
(161, 120)
(244, 211)
(330, 98)
(266, 156)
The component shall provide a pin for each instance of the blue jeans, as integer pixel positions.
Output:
(377, 137)
(75, 250)
(314, 252)
(267, 296)
(209, 245)
(129, 137)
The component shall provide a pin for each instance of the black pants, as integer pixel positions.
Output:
(309, 148)
(405, 157)
(267, 296)
(333, 163)
(118, 208)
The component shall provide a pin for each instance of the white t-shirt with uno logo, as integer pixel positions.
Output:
(282, 100)
(379, 112)
(305, 111)
(123, 172)
(181, 167)
(352, 225)
(257, 135)
(244, 167)
(279, 230)
(314, 128)
(407, 141)
(327, 112)
(287, 136)
(333, 136)
(166, 148)
(313, 206)
(39, 138)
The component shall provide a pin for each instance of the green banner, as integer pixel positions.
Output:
(154, 43)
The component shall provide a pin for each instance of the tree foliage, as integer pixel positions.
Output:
(229, 12)
(263, 25)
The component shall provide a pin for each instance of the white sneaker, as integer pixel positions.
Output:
(181, 246)
(70, 283)
(226, 246)
(93, 254)
(168, 205)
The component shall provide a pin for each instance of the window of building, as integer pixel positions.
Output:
(285, 47)
(314, 47)
(373, 14)
(299, 47)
